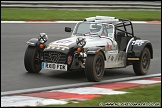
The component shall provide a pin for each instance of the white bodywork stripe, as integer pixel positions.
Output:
(129, 44)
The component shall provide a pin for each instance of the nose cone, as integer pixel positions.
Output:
(62, 45)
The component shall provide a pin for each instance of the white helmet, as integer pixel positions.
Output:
(95, 28)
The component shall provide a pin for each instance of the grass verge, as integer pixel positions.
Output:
(143, 95)
(16, 14)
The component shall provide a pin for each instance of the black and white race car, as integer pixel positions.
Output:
(96, 43)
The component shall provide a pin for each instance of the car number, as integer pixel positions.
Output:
(54, 66)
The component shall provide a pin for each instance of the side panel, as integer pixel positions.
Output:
(113, 58)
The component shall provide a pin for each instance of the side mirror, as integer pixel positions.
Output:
(68, 29)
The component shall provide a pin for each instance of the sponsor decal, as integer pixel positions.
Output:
(54, 57)
(113, 52)
(108, 58)
(112, 58)
(54, 46)
(42, 64)
(116, 58)
(69, 59)
(63, 42)
(58, 47)
(108, 47)
(63, 49)
(137, 42)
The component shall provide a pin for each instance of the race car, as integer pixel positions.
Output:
(96, 43)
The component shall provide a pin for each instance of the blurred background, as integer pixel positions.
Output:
(94, 5)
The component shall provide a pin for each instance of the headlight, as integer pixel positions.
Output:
(80, 41)
(42, 38)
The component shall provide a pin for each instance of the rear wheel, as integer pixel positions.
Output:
(94, 67)
(141, 67)
(32, 64)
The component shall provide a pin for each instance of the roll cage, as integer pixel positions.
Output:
(118, 23)
(124, 23)
(123, 29)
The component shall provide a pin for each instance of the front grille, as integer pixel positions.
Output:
(55, 57)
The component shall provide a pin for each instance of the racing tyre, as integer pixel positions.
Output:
(31, 64)
(94, 67)
(141, 67)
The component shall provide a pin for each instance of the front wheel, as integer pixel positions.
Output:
(141, 67)
(94, 67)
(32, 65)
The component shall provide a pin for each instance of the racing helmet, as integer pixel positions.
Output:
(95, 28)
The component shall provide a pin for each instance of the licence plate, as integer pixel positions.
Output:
(54, 66)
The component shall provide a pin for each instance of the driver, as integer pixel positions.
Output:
(96, 29)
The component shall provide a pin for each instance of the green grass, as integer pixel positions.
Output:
(9, 14)
(150, 94)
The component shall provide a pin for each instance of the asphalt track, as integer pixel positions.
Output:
(15, 77)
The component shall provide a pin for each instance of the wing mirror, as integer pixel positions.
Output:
(68, 29)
